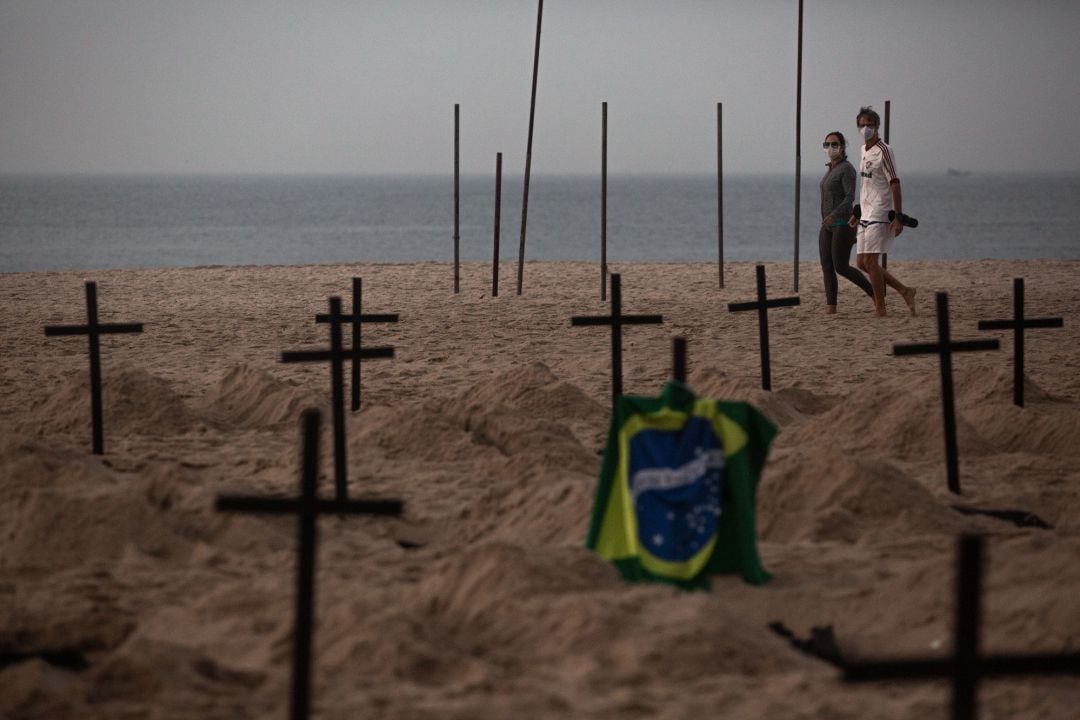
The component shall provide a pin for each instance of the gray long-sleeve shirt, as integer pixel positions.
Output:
(838, 191)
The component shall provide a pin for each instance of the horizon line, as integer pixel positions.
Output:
(948, 172)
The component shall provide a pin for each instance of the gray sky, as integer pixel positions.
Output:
(368, 86)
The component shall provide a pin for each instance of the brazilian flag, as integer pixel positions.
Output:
(676, 497)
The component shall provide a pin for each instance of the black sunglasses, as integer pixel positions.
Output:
(830, 144)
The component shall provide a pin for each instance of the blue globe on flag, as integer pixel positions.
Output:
(677, 483)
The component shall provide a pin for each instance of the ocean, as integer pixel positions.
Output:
(88, 222)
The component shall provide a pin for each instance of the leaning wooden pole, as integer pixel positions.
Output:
(457, 198)
(528, 150)
(603, 201)
(798, 144)
(720, 189)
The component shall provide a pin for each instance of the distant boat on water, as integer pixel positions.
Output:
(953, 172)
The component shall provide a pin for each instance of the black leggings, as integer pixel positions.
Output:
(834, 247)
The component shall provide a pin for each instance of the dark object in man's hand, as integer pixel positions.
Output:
(905, 220)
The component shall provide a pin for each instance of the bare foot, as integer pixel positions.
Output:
(830, 309)
(909, 298)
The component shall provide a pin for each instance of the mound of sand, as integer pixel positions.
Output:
(60, 509)
(829, 495)
(510, 416)
(784, 406)
(246, 397)
(95, 616)
(464, 625)
(157, 653)
(538, 506)
(425, 430)
(64, 527)
(1008, 428)
(890, 417)
(974, 385)
(534, 389)
(133, 402)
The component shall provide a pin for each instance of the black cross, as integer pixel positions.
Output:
(357, 318)
(616, 320)
(307, 508)
(336, 355)
(762, 305)
(94, 330)
(965, 667)
(945, 347)
(678, 359)
(1017, 325)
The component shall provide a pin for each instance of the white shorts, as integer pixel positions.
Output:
(873, 238)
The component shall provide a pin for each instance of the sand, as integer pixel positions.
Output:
(126, 596)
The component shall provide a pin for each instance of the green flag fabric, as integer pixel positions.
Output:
(676, 497)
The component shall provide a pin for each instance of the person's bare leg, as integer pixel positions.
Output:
(877, 281)
(908, 293)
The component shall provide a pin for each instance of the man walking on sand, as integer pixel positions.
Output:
(879, 192)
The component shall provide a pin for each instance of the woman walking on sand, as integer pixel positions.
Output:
(836, 237)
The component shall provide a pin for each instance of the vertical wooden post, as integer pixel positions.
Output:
(1018, 342)
(798, 144)
(603, 201)
(885, 256)
(952, 463)
(616, 338)
(357, 314)
(966, 628)
(96, 412)
(307, 542)
(498, 212)
(337, 389)
(763, 325)
(528, 150)
(457, 198)
(678, 359)
(720, 188)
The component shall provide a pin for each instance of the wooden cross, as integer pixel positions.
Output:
(357, 319)
(678, 359)
(336, 355)
(1017, 325)
(94, 330)
(307, 507)
(616, 320)
(762, 306)
(944, 348)
(966, 667)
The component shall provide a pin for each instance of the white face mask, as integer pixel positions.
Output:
(867, 132)
(834, 153)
